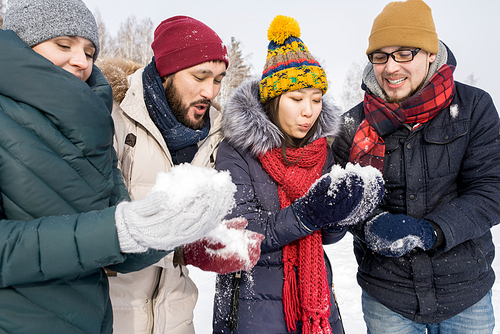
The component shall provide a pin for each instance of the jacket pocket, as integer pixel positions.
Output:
(445, 147)
(463, 263)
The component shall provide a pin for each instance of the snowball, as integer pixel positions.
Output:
(195, 183)
(372, 179)
(236, 241)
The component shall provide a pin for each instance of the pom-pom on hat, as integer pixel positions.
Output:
(404, 23)
(289, 65)
(36, 21)
(181, 42)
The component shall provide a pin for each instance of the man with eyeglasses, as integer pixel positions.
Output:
(424, 257)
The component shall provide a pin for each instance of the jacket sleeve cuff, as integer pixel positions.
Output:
(303, 221)
(127, 243)
(438, 232)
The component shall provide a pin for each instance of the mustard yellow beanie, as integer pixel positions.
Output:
(289, 65)
(404, 23)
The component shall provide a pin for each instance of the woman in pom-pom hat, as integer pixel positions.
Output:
(276, 150)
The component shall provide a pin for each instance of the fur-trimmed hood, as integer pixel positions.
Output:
(245, 124)
(116, 71)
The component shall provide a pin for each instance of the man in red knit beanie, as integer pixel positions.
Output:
(181, 42)
(164, 117)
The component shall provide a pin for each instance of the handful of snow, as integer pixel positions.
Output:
(373, 190)
(196, 195)
(234, 238)
(183, 206)
(196, 183)
(229, 247)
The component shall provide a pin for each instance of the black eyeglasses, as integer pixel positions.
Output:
(400, 56)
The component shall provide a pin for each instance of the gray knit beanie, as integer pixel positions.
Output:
(36, 21)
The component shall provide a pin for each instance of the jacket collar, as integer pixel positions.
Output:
(133, 106)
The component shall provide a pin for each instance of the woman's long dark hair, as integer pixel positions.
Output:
(271, 108)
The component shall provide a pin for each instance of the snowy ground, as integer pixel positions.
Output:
(347, 290)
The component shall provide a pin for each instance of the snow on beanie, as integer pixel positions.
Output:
(289, 65)
(404, 23)
(36, 21)
(181, 42)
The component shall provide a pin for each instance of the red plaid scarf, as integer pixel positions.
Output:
(311, 303)
(383, 118)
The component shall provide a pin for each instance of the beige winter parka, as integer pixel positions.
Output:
(160, 298)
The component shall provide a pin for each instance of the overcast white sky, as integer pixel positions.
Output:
(335, 31)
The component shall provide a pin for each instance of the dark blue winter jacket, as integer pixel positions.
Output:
(448, 172)
(247, 131)
(58, 185)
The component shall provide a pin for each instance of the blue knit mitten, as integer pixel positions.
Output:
(373, 192)
(329, 201)
(395, 235)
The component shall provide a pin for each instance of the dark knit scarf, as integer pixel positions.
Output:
(309, 298)
(383, 118)
(181, 140)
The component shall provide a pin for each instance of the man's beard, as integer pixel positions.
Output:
(410, 94)
(174, 100)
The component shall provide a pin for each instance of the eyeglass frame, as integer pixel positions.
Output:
(413, 54)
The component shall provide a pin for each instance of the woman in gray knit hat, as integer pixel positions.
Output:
(54, 28)
(60, 221)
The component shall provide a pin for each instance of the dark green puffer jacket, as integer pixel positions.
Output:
(58, 185)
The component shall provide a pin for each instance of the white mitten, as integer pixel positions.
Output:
(183, 206)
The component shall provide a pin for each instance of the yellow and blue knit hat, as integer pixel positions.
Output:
(289, 65)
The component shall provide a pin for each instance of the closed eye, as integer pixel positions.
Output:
(62, 46)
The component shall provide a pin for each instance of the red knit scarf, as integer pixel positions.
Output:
(382, 118)
(309, 298)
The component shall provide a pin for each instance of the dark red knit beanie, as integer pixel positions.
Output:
(181, 42)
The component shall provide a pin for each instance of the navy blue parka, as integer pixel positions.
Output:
(247, 131)
(446, 171)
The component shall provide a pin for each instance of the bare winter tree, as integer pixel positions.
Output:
(238, 71)
(134, 40)
(104, 37)
(144, 35)
(352, 93)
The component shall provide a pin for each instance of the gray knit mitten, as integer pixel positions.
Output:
(183, 206)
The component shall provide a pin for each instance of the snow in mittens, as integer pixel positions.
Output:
(188, 179)
(397, 246)
(373, 186)
(236, 241)
(198, 192)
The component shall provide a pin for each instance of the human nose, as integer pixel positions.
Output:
(209, 91)
(391, 66)
(307, 109)
(79, 59)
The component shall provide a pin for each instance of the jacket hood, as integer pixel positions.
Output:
(245, 124)
(116, 71)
